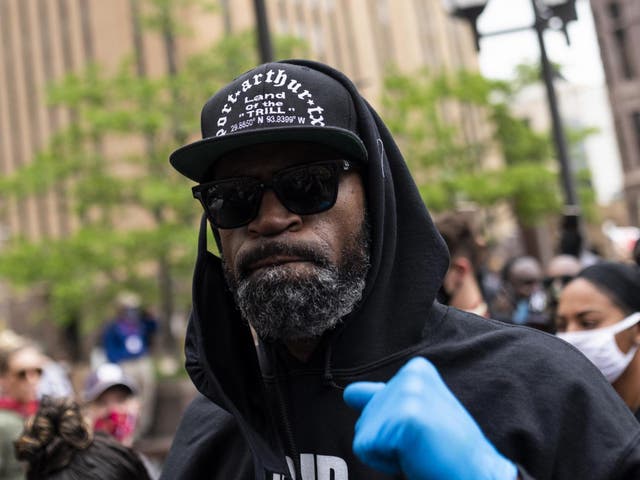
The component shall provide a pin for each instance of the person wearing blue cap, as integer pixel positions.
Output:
(127, 340)
(328, 259)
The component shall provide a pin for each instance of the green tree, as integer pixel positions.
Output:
(136, 216)
(425, 111)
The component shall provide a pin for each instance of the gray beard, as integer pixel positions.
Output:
(281, 304)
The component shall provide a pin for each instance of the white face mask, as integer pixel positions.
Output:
(600, 346)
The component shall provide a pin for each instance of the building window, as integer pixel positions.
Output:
(380, 23)
(282, 18)
(352, 54)
(300, 24)
(621, 40)
(614, 10)
(635, 123)
(624, 53)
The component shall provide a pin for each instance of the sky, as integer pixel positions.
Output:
(500, 54)
(581, 65)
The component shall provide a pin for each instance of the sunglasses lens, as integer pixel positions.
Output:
(566, 279)
(231, 203)
(562, 280)
(308, 189)
(303, 190)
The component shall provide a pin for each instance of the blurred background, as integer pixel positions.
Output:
(522, 115)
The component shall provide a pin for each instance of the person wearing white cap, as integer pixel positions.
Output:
(111, 403)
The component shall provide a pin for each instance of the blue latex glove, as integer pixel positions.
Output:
(414, 425)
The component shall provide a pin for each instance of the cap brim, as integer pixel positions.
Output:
(99, 389)
(196, 159)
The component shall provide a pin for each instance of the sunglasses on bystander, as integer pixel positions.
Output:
(24, 373)
(563, 279)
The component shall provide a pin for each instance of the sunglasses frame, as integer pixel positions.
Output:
(564, 280)
(341, 165)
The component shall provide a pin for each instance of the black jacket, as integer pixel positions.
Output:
(539, 401)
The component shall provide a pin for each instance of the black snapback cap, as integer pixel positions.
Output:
(274, 102)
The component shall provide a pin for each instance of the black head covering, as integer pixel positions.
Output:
(620, 280)
(408, 262)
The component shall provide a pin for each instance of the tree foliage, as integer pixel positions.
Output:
(137, 220)
(427, 112)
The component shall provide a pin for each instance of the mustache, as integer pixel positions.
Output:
(304, 251)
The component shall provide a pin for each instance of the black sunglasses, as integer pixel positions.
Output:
(564, 279)
(302, 189)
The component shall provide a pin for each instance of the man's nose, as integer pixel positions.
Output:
(273, 217)
(32, 376)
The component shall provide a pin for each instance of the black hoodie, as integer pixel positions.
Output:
(261, 414)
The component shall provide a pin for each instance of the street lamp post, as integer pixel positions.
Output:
(264, 37)
(544, 11)
(571, 201)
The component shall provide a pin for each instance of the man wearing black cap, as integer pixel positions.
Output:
(330, 260)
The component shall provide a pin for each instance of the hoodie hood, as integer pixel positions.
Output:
(408, 262)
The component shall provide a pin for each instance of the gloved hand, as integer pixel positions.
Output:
(414, 425)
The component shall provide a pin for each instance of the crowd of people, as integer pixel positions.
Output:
(523, 292)
(51, 428)
(341, 333)
(593, 305)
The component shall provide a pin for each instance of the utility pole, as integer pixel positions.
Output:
(565, 11)
(559, 137)
(264, 38)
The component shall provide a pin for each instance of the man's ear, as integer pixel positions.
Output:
(458, 271)
(461, 265)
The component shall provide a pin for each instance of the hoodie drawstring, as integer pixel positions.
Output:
(283, 407)
(327, 376)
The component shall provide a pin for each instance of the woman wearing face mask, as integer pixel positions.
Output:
(599, 313)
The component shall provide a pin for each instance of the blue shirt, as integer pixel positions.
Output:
(128, 338)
